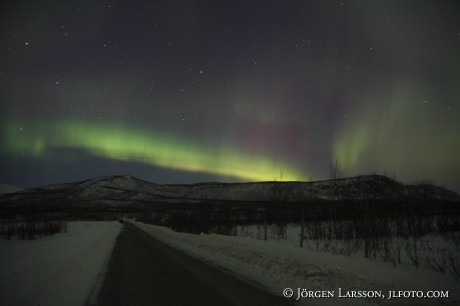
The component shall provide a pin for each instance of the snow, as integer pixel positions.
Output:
(64, 269)
(56, 270)
(277, 265)
(8, 189)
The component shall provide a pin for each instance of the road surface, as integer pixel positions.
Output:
(145, 271)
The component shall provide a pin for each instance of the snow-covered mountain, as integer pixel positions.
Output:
(128, 190)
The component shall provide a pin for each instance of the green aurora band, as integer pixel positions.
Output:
(403, 137)
(128, 144)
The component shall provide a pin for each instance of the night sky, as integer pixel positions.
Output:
(191, 91)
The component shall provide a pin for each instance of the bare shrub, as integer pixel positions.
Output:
(435, 264)
(315, 232)
(448, 261)
(389, 252)
(31, 227)
(452, 264)
(279, 229)
(412, 247)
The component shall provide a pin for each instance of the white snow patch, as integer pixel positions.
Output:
(280, 265)
(56, 270)
(8, 189)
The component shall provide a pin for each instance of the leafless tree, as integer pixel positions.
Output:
(426, 188)
(280, 195)
(335, 174)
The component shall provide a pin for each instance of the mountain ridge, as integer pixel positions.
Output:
(130, 188)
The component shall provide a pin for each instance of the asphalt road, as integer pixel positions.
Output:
(145, 271)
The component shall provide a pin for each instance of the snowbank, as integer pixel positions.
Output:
(56, 270)
(279, 265)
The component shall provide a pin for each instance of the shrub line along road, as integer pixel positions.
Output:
(145, 271)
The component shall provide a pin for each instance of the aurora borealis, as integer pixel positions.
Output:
(192, 91)
(127, 144)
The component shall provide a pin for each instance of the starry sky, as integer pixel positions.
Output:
(232, 91)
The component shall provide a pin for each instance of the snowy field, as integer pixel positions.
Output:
(56, 270)
(63, 269)
(429, 246)
(280, 264)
